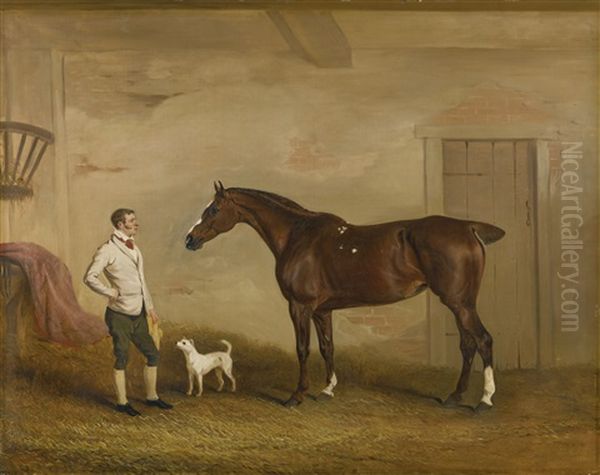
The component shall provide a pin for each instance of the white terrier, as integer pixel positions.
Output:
(198, 364)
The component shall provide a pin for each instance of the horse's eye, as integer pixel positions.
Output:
(210, 211)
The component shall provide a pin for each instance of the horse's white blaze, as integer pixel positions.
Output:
(332, 384)
(200, 220)
(489, 388)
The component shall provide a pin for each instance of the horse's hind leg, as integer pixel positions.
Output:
(454, 273)
(484, 347)
(468, 347)
(469, 322)
(323, 326)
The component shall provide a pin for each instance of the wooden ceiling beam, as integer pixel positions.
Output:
(278, 5)
(314, 36)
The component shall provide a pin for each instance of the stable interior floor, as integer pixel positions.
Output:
(58, 416)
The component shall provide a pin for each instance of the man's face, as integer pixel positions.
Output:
(129, 225)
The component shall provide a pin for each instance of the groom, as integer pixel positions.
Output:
(129, 302)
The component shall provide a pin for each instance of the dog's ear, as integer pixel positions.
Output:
(192, 341)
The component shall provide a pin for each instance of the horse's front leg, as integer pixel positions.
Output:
(324, 329)
(300, 315)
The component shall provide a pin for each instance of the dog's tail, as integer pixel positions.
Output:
(228, 345)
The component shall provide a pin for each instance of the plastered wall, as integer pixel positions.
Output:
(149, 108)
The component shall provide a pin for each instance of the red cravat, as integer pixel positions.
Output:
(128, 242)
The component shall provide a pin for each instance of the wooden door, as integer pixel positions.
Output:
(491, 181)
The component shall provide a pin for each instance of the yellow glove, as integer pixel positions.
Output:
(153, 328)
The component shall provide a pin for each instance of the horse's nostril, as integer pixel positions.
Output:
(192, 243)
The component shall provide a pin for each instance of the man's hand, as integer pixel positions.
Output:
(113, 298)
(153, 315)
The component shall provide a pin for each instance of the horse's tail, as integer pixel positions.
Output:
(228, 345)
(487, 233)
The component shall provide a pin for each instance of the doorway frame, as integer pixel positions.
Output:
(433, 167)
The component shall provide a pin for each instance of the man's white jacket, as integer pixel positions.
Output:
(124, 270)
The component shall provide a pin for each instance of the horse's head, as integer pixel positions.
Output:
(218, 217)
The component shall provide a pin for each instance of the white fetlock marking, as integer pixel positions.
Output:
(489, 388)
(332, 384)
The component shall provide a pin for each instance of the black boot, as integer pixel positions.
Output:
(159, 403)
(127, 409)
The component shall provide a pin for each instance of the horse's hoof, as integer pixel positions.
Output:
(292, 402)
(482, 407)
(452, 401)
(322, 397)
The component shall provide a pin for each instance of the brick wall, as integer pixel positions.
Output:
(382, 321)
(493, 105)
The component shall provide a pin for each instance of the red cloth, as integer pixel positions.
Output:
(58, 316)
(128, 242)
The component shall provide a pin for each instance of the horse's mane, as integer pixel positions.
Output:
(274, 198)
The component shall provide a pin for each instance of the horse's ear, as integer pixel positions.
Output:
(219, 189)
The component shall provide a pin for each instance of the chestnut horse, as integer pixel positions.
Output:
(324, 263)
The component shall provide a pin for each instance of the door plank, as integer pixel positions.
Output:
(505, 286)
(526, 288)
(455, 156)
